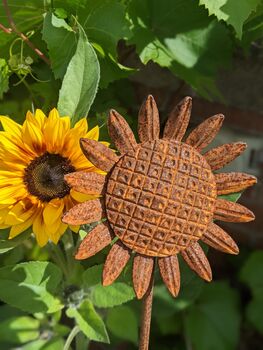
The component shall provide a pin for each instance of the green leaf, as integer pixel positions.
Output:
(111, 70)
(19, 330)
(251, 274)
(7, 311)
(61, 43)
(4, 77)
(6, 245)
(253, 28)
(31, 286)
(116, 294)
(213, 322)
(92, 276)
(105, 23)
(232, 197)
(123, 323)
(89, 321)
(56, 343)
(254, 313)
(228, 11)
(179, 35)
(34, 345)
(80, 82)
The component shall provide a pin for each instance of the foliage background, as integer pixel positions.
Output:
(108, 54)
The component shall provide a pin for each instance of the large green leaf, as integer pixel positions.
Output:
(251, 274)
(92, 276)
(105, 23)
(116, 294)
(228, 11)
(80, 82)
(61, 42)
(180, 35)
(31, 286)
(19, 330)
(89, 321)
(213, 322)
(123, 323)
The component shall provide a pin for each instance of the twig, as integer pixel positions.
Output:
(6, 30)
(146, 317)
(22, 36)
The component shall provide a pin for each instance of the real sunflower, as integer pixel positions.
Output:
(34, 158)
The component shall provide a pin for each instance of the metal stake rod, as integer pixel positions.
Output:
(146, 317)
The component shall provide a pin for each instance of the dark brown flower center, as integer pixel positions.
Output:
(44, 176)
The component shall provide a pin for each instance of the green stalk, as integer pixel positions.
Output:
(71, 336)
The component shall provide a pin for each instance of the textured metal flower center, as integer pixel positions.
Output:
(44, 176)
(161, 197)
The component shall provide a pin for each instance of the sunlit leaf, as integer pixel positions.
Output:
(179, 35)
(228, 11)
(89, 321)
(19, 330)
(31, 286)
(61, 42)
(80, 82)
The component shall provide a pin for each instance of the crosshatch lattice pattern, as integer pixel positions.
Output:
(160, 197)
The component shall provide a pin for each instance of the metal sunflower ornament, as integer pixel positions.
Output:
(160, 198)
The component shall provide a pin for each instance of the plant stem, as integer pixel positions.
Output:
(22, 36)
(59, 258)
(71, 336)
(68, 242)
(146, 317)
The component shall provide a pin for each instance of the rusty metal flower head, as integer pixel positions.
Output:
(160, 196)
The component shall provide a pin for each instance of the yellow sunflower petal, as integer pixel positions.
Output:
(17, 229)
(32, 136)
(93, 134)
(38, 119)
(55, 130)
(51, 230)
(39, 230)
(81, 162)
(81, 197)
(74, 228)
(81, 125)
(11, 194)
(10, 126)
(3, 213)
(71, 144)
(9, 146)
(61, 230)
(52, 211)
(18, 214)
(4, 174)
(8, 165)
(2, 227)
